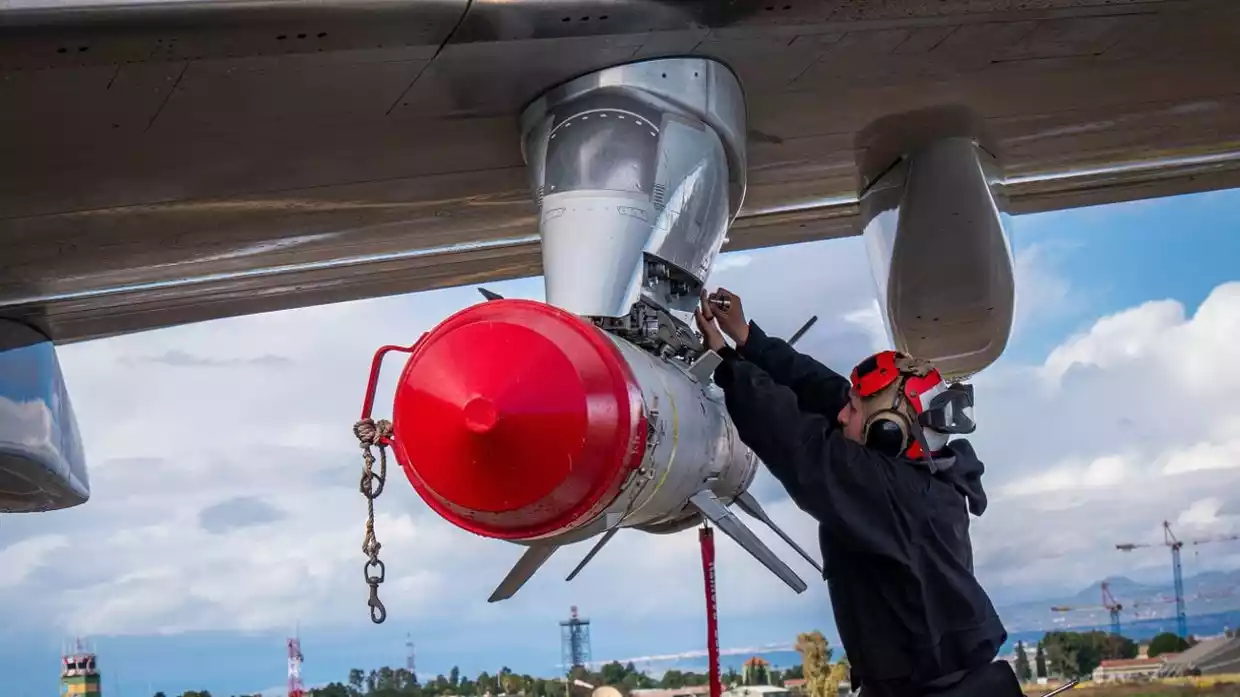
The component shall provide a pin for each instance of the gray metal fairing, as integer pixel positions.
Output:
(42, 463)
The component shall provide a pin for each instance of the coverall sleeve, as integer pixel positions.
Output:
(818, 388)
(842, 484)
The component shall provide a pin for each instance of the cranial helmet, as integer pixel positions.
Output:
(907, 407)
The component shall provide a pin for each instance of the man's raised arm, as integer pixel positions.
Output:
(840, 483)
(819, 389)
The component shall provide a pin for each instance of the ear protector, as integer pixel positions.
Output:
(887, 432)
(887, 428)
(893, 389)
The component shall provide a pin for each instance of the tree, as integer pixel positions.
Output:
(160, 694)
(1115, 646)
(1077, 654)
(1039, 659)
(612, 673)
(1166, 643)
(1023, 673)
(673, 680)
(334, 689)
(356, 677)
(840, 672)
(1073, 654)
(815, 662)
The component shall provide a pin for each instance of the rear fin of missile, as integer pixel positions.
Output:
(526, 566)
(604, 539)
(726, 520)
(490, 294)
(801, 332)
(749, 504)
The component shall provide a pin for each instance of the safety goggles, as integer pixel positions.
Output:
(950, 411)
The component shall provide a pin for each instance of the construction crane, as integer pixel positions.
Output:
(1113, 606)
(1176, 544)
(1109, 603)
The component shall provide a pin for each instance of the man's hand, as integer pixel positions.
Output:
(705, 319)
(728, 311)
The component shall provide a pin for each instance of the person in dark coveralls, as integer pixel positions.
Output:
(893, 523)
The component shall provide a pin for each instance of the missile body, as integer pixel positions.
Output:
(518, 420)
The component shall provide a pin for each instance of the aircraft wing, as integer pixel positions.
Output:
(175, 161)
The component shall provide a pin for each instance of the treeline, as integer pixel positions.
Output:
(399, 682)
(1077, 654)
(820, 674)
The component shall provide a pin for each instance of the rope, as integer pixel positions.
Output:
(371, 433)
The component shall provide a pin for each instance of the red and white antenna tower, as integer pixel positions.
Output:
(295, 688)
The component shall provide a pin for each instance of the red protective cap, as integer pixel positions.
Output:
(515, 419)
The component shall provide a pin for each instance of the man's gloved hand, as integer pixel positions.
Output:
(730, 314)
(705, 318)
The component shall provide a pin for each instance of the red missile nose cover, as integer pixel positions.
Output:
(515, 419)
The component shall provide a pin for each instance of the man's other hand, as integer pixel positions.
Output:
(705, 318)
(730, 314)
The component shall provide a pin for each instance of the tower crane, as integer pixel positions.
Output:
(1109, 602)
(1113, 606)
(1176, 544)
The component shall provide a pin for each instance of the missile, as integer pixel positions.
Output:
(520, 421)
(550, 423)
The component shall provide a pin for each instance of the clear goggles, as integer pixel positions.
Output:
(950, 411)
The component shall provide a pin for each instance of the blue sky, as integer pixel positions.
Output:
(1122, 255)
(221, 521)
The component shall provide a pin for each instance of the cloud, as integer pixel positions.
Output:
(1040, 292)
(225, 498)
(20, 559)
(1125, 425)
(730, 261)
(183, 359)
(238, 512)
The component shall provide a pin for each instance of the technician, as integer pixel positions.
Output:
(869, 459)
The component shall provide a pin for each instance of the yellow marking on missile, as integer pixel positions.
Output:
(671, 458)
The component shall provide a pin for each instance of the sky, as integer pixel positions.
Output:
(225, 513)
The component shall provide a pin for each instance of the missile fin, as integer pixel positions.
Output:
(602, 540)
(726, 520)
(526, 566)
(490, 294)
(750, 505)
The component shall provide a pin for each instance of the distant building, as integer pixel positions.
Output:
(758, 691)
(796, 687)
(79, 673)
(1127, 669)
(696, 691)
(756, 671)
